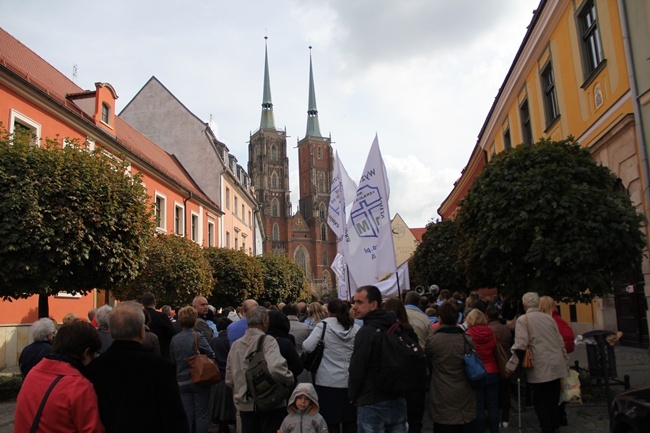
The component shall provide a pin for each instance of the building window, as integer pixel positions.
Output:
(319, 152)
(243, 212)
(593, 50)
(550, 95)
(276, 232)
(274, 153)
(210, 234)
(227, 198)
(323, 232)
(243, 245)
(250, 219)
(159, 212)
(236, 243)
(325, 259)
(321, 211)
(236, 204)
(301, 260)
(227, 239)
(526, 131)
(274, 208)
(507, 142)
(274, 181)
(194, 229)
(178, 220)
(106, 113)
(21, 124)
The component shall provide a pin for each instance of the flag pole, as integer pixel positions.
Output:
(399, 290)
(347, 269)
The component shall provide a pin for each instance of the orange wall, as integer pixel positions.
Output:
(26, 310)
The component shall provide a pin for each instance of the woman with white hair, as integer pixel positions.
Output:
(539, 331)
(101, 317)
(43, 332)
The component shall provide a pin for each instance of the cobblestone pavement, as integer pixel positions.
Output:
(588, 417)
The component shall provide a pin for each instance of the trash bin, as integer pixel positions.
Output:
(600, 355)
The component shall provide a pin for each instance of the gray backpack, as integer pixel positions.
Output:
(265, 391)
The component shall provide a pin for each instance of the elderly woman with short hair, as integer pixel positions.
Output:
(101, 317)
(43, 332)
(550, 361)
(195, 398)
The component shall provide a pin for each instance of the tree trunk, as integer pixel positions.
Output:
(43, 306)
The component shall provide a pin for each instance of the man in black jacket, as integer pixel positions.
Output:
(377, 410)
(160, 324)
(136, 389)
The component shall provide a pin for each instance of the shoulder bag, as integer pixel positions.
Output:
(37, 418)
(502, 359)
(311, 361)
(528, 356)
(203, 369)
(474, 368)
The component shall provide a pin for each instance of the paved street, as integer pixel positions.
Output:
(591, 417)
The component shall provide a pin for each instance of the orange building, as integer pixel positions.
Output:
(35, 96)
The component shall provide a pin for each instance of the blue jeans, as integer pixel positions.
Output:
(196, 399)
(383, 417)
(488, 398)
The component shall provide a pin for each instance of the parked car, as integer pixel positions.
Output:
(631, 411)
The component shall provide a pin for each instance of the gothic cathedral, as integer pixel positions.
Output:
(305, 235)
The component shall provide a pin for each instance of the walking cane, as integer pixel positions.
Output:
(519, 401)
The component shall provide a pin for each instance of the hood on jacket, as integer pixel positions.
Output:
(308, 390)
(339, 330)
(382, 319)
(278, 324)
(481, 334)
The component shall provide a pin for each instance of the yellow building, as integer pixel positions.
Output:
(574, 75)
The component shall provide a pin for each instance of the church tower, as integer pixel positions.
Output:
(268, 168)
(316, 164)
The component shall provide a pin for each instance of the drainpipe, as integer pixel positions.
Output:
(637, 106)
(185, 213)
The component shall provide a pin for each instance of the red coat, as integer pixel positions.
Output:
(71, 406)
(485, 344)
(565, 331)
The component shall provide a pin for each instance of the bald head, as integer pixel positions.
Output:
(247, 305)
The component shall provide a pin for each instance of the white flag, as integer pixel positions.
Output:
(369, 250)
(342, 193)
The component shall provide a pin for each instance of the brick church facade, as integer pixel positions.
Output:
(304, 235)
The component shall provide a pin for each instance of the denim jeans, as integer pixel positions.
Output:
(487, 397)
(383, 417)
(196, 399)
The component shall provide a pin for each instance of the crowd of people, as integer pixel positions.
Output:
(126, 368)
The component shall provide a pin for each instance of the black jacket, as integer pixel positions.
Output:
(136, 390)
(365, 359)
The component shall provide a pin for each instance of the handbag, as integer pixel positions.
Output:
(311, 361)
(528, 356)
(502, 359)
(570, 388)
(203, 369)
(474, 368)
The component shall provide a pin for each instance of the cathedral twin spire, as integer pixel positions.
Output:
(268, 121)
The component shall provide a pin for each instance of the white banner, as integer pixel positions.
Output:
(368, 239)
(342, 193)
(390, 286)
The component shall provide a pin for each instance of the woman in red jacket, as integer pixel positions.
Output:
(487, 397)
(547, 305)
(71, 406)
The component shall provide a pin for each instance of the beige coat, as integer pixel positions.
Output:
(453, 401)
(420, 323)
(237, 365)
(550, 360)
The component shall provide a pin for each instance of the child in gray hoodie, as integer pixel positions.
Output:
(303, 412)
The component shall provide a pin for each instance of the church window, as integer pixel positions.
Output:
(276, 232)
(319, 151)
(321, 211)
(274, 181)
(325, 262)
(301, 260)
(274, 153)
(323, 232)
(274, 208)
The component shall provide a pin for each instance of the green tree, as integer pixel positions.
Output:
(176, 271)
(72, 220)
(237, 276)
(284, 280)
(547, 218)
(435, 259)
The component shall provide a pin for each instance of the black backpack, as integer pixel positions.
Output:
(402, 362)
(265, 391)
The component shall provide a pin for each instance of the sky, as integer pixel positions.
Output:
(421, 74)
